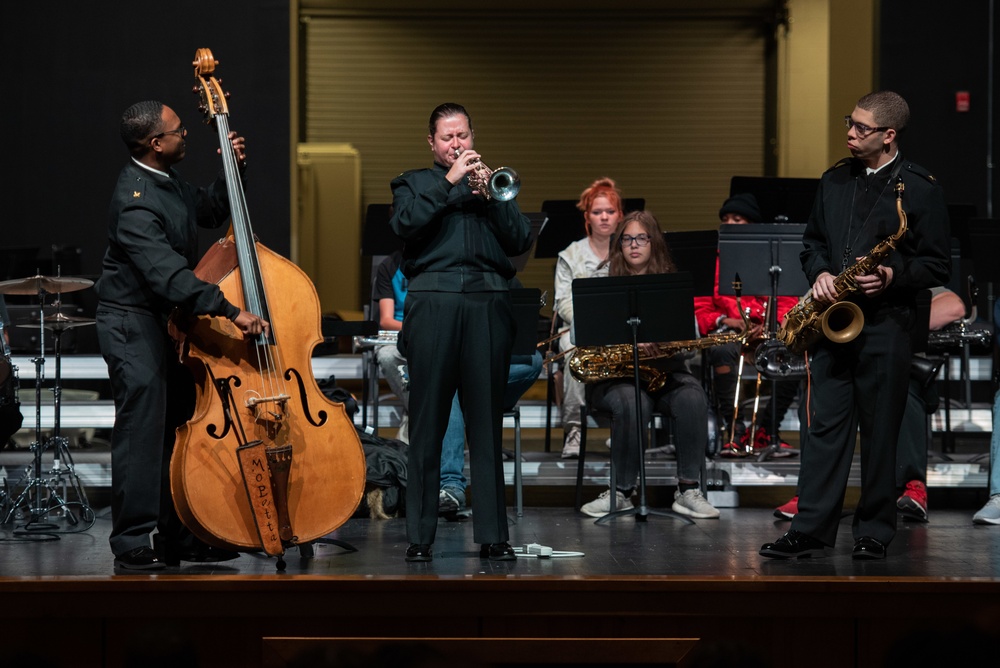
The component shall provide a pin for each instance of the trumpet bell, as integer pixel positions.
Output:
(842, 322)
(504, 184)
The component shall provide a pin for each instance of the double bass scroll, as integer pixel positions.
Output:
(267, 461)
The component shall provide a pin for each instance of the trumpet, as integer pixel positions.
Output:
(501, 184)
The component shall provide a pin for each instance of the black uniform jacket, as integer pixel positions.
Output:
(851, 215)
(454, 240)
(153, 244)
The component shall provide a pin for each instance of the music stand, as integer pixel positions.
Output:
(766, 256)
(525, 304)
(538, 221)
(696, 252)
(984, 235)
(634, 309)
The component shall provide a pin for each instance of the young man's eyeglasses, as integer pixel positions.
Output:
(862, 129)
(639, 239)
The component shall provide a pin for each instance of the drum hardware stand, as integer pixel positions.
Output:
(41, 495)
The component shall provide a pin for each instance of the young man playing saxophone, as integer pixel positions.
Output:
(863, 383)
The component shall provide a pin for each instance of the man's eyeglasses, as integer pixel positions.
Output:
(639, 239)
(862, 129)
(179, 132)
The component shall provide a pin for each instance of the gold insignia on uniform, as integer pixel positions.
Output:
(136, 194)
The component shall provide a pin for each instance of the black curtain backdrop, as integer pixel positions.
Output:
(71, 69)
(927, 54)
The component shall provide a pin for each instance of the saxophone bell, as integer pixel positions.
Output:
(842, 322)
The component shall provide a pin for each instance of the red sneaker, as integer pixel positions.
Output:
(912, 503)
(788, 510)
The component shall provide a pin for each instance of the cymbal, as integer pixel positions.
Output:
(34, 285)
(58, 322)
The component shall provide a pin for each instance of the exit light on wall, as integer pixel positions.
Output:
(962, 100)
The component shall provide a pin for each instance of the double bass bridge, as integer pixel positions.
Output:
(268, 408)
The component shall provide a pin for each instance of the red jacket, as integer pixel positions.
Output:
(708, 310)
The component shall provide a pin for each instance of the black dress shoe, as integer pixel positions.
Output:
(497, 552)
(417, 552)
(174, 552)
(793, 545)
(868, 548)
(139, 559)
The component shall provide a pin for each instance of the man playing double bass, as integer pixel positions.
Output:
(147, 273)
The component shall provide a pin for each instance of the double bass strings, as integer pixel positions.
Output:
(271, 385)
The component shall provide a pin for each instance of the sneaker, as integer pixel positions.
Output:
(450, 501)
(913, 502)
(788, 510)
(694, 504)
(601, 506)
(571, 444)
(404, 429)
(990, 513)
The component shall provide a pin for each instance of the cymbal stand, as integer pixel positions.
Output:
(40, 496)
(60, 444)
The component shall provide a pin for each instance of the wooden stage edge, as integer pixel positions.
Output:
(283, 620)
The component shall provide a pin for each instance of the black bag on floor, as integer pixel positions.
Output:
(385, 475)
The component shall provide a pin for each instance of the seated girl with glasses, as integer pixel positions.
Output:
(638, 247)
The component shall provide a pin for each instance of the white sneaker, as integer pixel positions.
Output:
(404, 429)
(990, 513)
(571, 444)
(601, 506)
(694, 504)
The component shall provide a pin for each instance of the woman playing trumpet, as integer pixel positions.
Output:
(638, 247)
(458, 326)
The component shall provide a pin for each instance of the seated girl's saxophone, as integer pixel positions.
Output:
(596, 363)
(840, 321)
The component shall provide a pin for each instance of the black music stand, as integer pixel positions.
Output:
(695, 252)
(766, 256)
(634, 309)
(525, 304)
(538, 221)
(984, 235)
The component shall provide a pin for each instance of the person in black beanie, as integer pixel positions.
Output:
(741, 205)
(718, 314)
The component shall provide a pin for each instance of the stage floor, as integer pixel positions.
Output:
(948, 546)
(639, 593)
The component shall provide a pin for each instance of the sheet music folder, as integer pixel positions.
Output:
(602, 308)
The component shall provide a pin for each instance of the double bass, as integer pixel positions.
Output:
(266, 461)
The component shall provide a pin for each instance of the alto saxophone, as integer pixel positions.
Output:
(840, 321)
(594, 364)
(597, 363)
